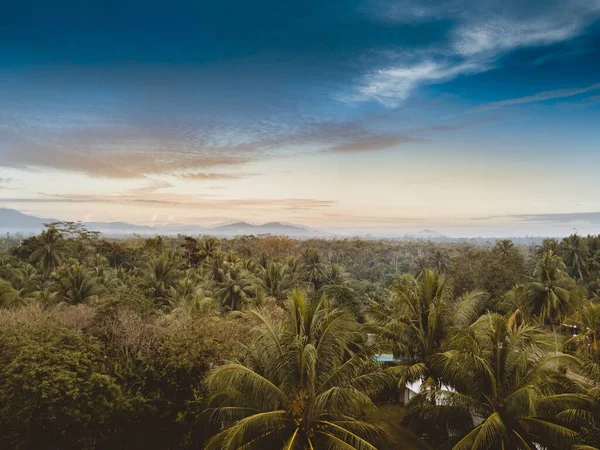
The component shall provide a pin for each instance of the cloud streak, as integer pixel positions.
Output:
(476, 41)
(536, 98)
(592, 218)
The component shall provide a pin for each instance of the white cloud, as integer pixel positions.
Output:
(504, 35)
(535, 98)
(393, 85)
(475, 43)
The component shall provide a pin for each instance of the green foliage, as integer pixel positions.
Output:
(299, 384)
(501, 391)
(54, 390)
(107, 343)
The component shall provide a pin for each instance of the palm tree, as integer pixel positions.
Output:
(235, 289)
(313, 267)
(587, 341)
(79, 285)
(8, 294)
(548, 245)
(215, 267)
(209, 247)
(277, 280)
(335, 275)
(550, 291)
(160, 272)
(592, 265)
(26, 281)
(504, 247)
(516, 304)
(300, 385)
(80, 250)
(440, 260)
(574, 253)
(420, 318)
(501, 391)
(49, 253)
(187, 295)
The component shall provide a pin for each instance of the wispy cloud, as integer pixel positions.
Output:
(391, 86)
(207, 176)
(476, 41)
(535, 98)
(373, 143)
(592, 218)
(168, 200)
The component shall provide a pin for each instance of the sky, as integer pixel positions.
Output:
(474, 118)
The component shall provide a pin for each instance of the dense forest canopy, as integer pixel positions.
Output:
(265, 342)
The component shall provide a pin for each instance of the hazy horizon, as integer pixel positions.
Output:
(469, 118)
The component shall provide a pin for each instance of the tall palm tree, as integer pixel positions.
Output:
(548, 245)
(187, 295)
(160, 272)
(215, 267)
(26, 279)
(501, 394)
(80, 250)
(49, 252)
(79, 285)
(550, 291)
(440, 260)
(587, 341)
(504, 247)
(8, 294)
(516, 304)
(419, 319)
(313, 267)
(300, 386)
(236, 288)
(574, 252)
(335, 275)
(209, 247)
(277, 280)
(592, 265)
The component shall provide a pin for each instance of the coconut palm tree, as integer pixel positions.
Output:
(209, 247)
(80, 250)
(49, 252)
(501, 391)
(187, 295)
(300, 386)
(335, 275)
(160, 272)
(587, 341)
(313, 267)
(236, 288)
(592, 265)
(8, 294)
(439, 260)
(548, 245)
(215, 267)
(550, 291)
(277, 280)
(78, 285)
(26, 281)
(516, 305)
(419, 319)
(574, 253)
(504, 247)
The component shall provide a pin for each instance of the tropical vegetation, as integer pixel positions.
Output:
(266, 342)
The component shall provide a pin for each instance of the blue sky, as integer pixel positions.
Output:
(471, 117)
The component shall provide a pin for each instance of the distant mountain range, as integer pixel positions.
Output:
(13, 221)
(426, 234)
